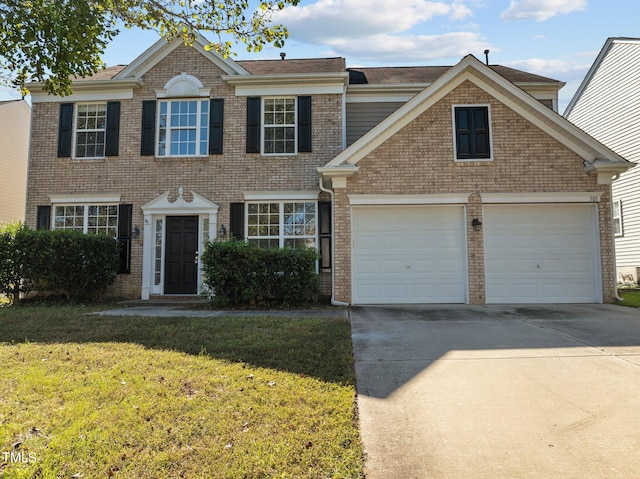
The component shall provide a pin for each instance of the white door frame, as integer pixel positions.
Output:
(161, 207)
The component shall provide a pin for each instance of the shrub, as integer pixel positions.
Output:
(239, 274)
(76, 265)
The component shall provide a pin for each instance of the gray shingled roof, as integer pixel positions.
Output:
(369, 76)
(428, 74)
(306, 65)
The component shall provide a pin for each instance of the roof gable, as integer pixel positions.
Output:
(162, 48)
(487, 79)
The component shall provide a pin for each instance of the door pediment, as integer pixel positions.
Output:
(162, 205)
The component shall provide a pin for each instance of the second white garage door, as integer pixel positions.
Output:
(409, 254)
(541, 253)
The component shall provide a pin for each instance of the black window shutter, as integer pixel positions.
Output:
(147, 144)
(463, 133)
(236, 221)
(216, 122)
(113, 128)
(124, 238)
(44, 218)
(481, 132)
(253, 125)
(304, 124)
(324, 223)
(65, 129)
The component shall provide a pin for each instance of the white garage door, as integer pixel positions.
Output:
(409, 254)
(541, 254)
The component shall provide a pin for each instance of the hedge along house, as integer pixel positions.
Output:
(471, 190)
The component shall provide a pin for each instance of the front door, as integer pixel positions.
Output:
(181, 259)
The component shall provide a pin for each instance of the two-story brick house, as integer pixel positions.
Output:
(424, 184)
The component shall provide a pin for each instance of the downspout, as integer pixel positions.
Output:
(333, 246)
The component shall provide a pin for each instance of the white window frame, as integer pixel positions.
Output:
(454, 126)
(76, 130)
(264, 126)
(282, 238)
(85, 216)
(617, 215)
(199, 126)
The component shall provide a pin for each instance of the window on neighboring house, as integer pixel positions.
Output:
(91, 128)
(92, 219)
(282, 224)
(472, 132)
(279, 123)
(617, 218)
(183, 128)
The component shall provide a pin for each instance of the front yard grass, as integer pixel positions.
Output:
(133, 397)
(631, 298)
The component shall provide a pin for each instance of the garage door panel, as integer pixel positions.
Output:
(417, 256)
(540, 253)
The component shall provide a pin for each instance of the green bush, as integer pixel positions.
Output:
(239, 274)
(77, 265)
(11, 260)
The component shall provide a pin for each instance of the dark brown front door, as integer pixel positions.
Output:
(181, 261)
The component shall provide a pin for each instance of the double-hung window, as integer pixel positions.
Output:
(183, 128)
(91, 128)
(617, 218)
(87, 218)
(279, 123)
(472, 132)
(282, 224)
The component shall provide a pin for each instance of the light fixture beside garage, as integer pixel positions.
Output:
(476, 223)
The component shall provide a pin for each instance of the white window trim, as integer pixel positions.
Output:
(74, 141)
(198, 127)
(281, 235)
(619, 217)
(263, 128)
(453, 121)
(85, 221)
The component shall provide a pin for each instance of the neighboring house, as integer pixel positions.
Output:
(607, 106)
(15, 116)
(459, 185)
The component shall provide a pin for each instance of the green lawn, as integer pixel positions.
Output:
(128, 397)
(631, 298)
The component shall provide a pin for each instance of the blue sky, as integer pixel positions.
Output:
(556, 38)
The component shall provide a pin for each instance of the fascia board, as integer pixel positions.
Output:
(85, 198)
(299, 83)
(99, 90)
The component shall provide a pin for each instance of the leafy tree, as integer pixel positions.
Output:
(54, 40)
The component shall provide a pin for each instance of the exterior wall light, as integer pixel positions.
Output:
(476, 223)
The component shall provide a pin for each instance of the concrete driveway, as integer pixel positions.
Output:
(523, 391)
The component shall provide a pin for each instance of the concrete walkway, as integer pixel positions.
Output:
(172, 311)
(499, 392)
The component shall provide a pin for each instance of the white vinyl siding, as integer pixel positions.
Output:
(609, 110)
(409, 254)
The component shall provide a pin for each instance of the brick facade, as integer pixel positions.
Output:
(419, 159)
(139, 179)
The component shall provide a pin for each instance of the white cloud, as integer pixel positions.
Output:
(541, 10)
(383, 31)
(390, 49)
(343, 20)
